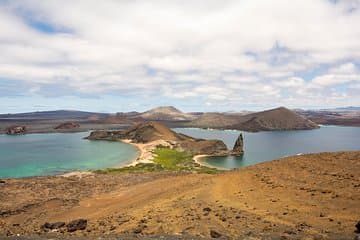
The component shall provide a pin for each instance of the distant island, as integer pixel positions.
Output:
(278, 119)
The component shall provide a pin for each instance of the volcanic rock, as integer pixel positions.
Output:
(15, 130)
(238, 146)
(201, 146)
(79, 224)
(52, 226)
(214, 234)
(358, 227)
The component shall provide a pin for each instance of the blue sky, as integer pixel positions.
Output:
(112, 56)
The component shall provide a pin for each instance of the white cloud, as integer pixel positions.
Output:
(342, 74)
(217, 50)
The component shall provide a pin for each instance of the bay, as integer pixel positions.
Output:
(266, 146)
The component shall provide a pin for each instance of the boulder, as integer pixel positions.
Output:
(52, 226)
(357, 226)
(79, 224)
(15, 130)
(214, 234)
(238, 146)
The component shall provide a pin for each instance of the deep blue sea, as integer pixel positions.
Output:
(266, 146)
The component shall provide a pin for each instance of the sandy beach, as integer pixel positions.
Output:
(199, 160)
(146, 154)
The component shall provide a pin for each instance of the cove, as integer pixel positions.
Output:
(56, 153)
(265, 146)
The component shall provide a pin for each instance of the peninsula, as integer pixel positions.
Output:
(152, 138)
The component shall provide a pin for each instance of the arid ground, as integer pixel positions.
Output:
(315, 196)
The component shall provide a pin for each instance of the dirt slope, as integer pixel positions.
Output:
(313, 196)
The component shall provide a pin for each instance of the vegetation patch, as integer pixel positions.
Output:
(172, 159)
(165, 159)
(140, 167)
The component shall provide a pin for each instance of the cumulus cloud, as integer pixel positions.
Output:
(213, 52)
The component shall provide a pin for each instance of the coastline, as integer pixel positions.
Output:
(146, 154)
(197, 159)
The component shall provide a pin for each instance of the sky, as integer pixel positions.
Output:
(197, 55)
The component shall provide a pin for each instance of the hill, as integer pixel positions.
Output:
(166, 113)
(216, 120)
(313, 196)
(275, 119)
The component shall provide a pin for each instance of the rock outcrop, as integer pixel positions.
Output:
(238, 146)
(16, 130)
(67, 126)
(201, 146)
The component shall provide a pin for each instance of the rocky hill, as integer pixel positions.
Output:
(275, 119)
(166, 113)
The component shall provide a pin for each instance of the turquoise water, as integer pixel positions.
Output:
(54, 153)
(266, 146)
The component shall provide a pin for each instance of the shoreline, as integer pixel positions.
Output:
(197, 159)
(145, 150)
